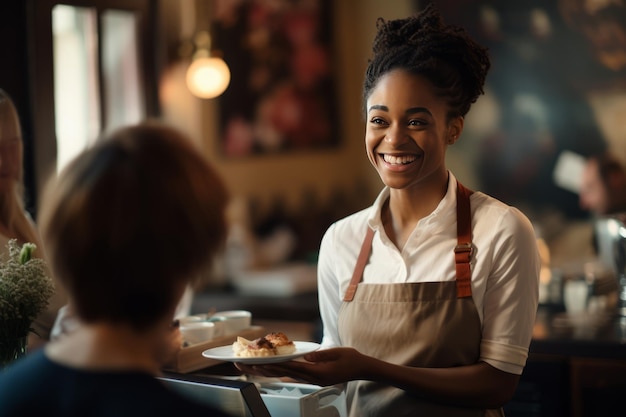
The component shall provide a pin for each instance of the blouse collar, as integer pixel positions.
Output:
(446, 206)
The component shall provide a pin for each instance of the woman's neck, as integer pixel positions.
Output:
(108, 347)
(13, 220)
(8, 208)
(406, 207)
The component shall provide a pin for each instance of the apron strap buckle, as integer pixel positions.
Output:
(464, 248)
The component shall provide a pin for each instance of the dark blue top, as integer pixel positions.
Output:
(36, 386)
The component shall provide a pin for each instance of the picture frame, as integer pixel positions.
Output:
(281, 97)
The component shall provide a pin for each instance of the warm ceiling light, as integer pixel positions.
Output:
(207, 76)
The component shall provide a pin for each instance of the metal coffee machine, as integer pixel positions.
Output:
(610, 235)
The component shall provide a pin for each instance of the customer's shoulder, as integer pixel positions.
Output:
(33, 363)
(21, 381)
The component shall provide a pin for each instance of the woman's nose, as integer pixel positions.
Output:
(396, 134)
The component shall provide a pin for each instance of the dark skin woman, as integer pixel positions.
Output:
(429, 296)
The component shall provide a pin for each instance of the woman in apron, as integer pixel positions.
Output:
(428, 297)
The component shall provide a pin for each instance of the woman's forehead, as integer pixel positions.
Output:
(403, 89)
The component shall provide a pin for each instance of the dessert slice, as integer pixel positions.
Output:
(272, 344)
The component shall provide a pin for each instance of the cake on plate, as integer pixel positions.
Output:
(272, 344)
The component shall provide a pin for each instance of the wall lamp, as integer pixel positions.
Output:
(208, 75)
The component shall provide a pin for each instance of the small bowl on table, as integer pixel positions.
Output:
(233, 321)
(197, 332)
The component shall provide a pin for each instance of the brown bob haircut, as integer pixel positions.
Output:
(129, 222)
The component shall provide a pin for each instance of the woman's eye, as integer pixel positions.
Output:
(377, 121)
(415, 122)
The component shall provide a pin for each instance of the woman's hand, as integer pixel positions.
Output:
(323, 367)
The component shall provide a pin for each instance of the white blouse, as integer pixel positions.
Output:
(505, 268)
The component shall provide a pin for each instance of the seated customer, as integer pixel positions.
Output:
(126, 226)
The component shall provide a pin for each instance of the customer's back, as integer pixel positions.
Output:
(126, 226)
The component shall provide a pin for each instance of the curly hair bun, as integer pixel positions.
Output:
(423, 44)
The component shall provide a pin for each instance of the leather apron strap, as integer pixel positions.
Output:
(462, 251)
(364, 256)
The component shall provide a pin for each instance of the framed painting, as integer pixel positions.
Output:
(281, 97)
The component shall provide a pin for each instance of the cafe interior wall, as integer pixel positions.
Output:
(557, 84)
(288, 177)
(535, 52)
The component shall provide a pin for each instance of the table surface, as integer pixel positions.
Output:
(586, 335)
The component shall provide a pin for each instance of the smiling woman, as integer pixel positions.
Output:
(407, 133)
(427, 297)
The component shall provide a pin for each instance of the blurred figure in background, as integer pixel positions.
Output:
(603, 185)
(603, 194)
(15, 222)
(127, 226)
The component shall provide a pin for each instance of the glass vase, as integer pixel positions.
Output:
(12, 349)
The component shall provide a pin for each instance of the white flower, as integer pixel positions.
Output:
(25, 289)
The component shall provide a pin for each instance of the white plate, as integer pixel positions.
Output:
(225, 353)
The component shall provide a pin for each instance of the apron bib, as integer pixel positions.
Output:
(429, 324)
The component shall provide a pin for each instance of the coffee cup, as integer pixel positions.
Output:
(197, 332)
(575, 296)
(234, 321)
(220, 324)
(191, 319)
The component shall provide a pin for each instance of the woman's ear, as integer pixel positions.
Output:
(455, 128)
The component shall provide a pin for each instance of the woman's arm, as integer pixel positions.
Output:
(479, 385)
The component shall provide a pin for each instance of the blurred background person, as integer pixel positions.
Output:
(603, 194)
(127, 225)
(603, 185)
(15, 221)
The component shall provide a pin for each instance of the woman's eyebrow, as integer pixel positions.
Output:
(412, 110)
(378, 107)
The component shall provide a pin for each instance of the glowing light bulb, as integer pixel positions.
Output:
(208, 77)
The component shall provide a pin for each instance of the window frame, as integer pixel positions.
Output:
(41, 72)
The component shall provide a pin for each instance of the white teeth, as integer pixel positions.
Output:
(399, 160)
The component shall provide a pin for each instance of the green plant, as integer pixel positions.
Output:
(25, 289)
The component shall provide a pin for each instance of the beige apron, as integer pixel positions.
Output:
(430, 324)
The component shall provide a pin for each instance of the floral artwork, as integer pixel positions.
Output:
(281, 92)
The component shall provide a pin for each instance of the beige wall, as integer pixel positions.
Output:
(265, 177)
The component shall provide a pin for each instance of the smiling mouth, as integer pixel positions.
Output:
(399, 160)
